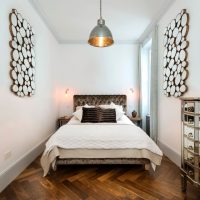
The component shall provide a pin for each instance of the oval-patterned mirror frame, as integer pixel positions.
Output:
(22, 62)
(175, 62)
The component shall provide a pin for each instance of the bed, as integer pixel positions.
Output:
(102, 143)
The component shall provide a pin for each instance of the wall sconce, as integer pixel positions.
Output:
(132, 90)
(66, 91)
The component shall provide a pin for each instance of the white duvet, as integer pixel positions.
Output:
(121, 135)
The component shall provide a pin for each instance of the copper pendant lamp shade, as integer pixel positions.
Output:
(101, 36)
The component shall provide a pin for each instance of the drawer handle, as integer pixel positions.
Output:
(190, 148)
(191, 173)
(190, 135)
(191, 159)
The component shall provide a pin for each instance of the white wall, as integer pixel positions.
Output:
(170, 108)
(89, 70)
(26, 122)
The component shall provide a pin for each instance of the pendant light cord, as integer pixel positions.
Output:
(100, 9)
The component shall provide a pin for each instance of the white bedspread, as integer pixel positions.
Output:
(123, 135)
(101, 136)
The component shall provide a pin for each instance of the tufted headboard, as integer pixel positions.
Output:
(81, 100)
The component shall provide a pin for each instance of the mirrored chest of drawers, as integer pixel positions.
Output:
(190, 156)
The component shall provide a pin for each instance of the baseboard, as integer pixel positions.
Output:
(9, 174)
(171, 154)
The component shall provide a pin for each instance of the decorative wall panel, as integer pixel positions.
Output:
(22, 63)
(175, 55)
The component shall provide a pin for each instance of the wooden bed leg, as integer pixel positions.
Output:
(147, 167)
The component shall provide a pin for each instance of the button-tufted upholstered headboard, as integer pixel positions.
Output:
(81, 100)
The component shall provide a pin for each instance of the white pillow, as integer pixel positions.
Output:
(118, 109)
(119, 114)
(79, 111)
(106, 106)
(117, 106)
(78, 114)
(80, 107)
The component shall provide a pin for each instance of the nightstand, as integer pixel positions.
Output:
(136, 120)
(62, 121)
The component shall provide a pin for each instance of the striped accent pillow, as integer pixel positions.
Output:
(107, 115)
(90, 115)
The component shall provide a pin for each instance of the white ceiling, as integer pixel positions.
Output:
(72, 20)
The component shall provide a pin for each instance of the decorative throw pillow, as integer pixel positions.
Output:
(118, 109)
(90, 115)
(107, 115)
(79, 111)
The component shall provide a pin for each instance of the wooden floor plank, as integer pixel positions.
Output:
(100, 182)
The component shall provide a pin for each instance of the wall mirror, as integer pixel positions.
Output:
(22, 64)
(175, 55)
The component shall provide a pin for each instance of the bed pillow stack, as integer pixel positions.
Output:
(104, 113)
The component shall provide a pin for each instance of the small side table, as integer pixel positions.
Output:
(136, 120)
(62, 121)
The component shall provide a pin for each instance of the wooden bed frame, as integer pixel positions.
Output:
(81, 100)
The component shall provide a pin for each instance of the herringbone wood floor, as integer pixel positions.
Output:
(105, 182)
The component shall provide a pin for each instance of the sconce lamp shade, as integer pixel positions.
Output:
(66, 91)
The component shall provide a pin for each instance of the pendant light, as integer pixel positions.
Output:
(101, 36)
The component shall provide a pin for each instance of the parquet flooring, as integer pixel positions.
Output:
(99, 182)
